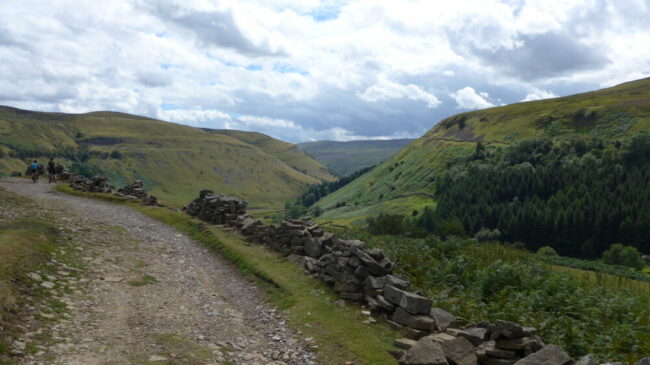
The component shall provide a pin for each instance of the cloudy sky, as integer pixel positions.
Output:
(314, 69)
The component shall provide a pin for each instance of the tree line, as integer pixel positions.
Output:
(317, 191)
(577, 196)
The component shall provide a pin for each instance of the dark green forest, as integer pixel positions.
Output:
(578, 196)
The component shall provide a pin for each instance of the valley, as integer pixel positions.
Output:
(345, 158)
(446, 208)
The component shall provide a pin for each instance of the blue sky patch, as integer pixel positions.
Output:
(170, 106)
(284, 68)
(254, 67)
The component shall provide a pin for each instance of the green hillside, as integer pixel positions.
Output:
(287, 152)
(175, 161)
(406, 182)
(344, 158)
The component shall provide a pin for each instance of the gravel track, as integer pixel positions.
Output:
(150, 294)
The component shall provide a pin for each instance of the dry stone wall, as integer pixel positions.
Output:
(365, 276)
(136, 191)
(97, 184)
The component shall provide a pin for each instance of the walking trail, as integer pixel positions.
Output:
(148, 294)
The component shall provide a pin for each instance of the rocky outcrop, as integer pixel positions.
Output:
(136, 191)
(646, 258)
(365, 275)
(97, 184)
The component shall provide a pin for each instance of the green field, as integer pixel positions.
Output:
(609, 114)
(344, 158)
(173, 160)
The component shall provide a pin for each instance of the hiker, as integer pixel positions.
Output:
(51, 171)
(35, 166)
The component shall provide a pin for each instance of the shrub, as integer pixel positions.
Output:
(386, 224)
(450, 227)
(500, 276)
(294, 211)
(618, 254)
(116, 155)
(486, 234)
(547, 251)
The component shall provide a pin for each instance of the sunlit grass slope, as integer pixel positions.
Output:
(175, 161)
(611, 114)
(287, 152)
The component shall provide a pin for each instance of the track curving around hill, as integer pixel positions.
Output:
(150, 294)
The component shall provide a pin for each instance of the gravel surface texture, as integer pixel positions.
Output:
(147, 294)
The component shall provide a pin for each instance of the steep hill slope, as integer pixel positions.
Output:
(174, 160)
(344, 158)
(406, 181)
(287, 152)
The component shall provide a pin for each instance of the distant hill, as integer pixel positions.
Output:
(406, 182)
(289, 153)
(175, 161)
(344, 158)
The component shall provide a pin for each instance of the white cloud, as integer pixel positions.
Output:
(388, 90)
(468, 98)
(313, 68)
(539, 95)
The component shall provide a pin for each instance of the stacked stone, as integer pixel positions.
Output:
(251, 228)
(216, 208)
(502, 343)
(292, 236)
(512, 346)
(136, 191)
(97, 184)
(65, 174)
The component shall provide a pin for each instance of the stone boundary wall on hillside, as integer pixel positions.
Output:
(99, 184)
(365, 276)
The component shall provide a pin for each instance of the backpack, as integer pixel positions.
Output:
(34, 167)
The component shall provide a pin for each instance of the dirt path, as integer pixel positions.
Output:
(149, 294)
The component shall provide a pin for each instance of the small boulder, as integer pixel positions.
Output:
(589, 360)
(397, 282)
(441, 337)
(509, 330)
(404, 343)
(475, 335)
(413, 321)
(442, 318)
(460, 351)
(550, 354)
(373, 282)
(425, 352)
(415, 304)
(384, 304)
(645, 360)
(376, 253)
(393, 295)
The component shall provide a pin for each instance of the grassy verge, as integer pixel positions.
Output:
(339, 333)
(26, 244)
